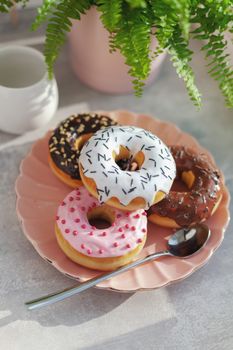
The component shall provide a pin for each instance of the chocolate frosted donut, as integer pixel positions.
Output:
(179, 209)
(66, 143)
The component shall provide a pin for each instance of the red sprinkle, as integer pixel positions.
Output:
(75, 233)
(82, 246)
(91, 233)
(119, 216)
(57, 217)
(78, 198)
(127, 214)
(123, 235)
(93, 227)
(115, 244)
(133, 228)
(113, 224)
(71, 199)
(63, 203)
(137, 216)
(63, 221)
(139, 240)
(128, 245)
(104, 234)
(83, 208)
(77, 220)
(83, 226)
(144, 213)
(120, 229)
(78, 193)
(126, 225)
(67, 230)
(101, 251)
(144, 230)
(93, 205)
(72, 210)
(89, 251)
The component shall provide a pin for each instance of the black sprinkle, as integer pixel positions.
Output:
(96, 143)
(161, 150)
(149, 176)
(170, 177)
(103, 166)
(163, 173)
(132, 189)
(124, 191)
(138, 136)
(111, 172)
(165, 166)
(128, 174)
(142, 147)
(130, 138)
(143, 177)
(153, 161)
(93, 172)
(161, 156)
(131, 182)
(87, 153)
(99, 190)
(106, 191)
(116, 180)
(85, 171)
(105, 146)
(89, 161)
(101, 156)
(122, 129)
(115, 139)
(142, 185)
(105, 174)
(155, 187)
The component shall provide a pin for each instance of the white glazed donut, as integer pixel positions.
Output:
(127, 190)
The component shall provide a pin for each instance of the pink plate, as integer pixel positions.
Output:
(39, 192)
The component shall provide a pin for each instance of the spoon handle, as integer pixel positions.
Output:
(66, 293)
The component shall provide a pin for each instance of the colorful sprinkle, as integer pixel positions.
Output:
(94, 205)
(104, 234)
(120, 229)
(128, 245)
(83, 208)
(57, 217)
(82, 246)
(77, 220)
(89, 251)
(101, 251)
(72, 210)
(123, 235)
(115, 244)
(63, 203)
(133, 228)
(63, 221)
(139, 240)
(137, 216)
(126, 225)
(113, 224)
(78, 198)
(119, 216)
(91, 233)
(75, 233)
(127, 214)
(67, 230)
(71, 199)
(144, 230)
(84, 226)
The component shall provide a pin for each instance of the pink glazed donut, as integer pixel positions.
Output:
(99, 249)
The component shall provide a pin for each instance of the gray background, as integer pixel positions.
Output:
(194, 314)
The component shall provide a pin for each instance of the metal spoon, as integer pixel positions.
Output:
(183, 244)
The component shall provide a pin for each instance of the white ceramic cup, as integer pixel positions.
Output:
(28, 99)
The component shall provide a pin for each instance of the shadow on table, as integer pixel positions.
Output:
(76, 310)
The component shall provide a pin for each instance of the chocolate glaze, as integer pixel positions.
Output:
(62, 140)
(195, 205)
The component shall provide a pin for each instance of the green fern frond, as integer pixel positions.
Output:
(214, 19)
(133, 40)
(59, 24)
(136, 3)
(6, 5)
(110, 13)
(43, 12)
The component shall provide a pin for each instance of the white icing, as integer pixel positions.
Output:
(156, 174)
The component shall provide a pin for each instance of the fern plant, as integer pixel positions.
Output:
(131, 23)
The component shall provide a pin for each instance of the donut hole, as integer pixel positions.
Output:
(184, 182)
(127, 161)
(80, 141)
(101, 217)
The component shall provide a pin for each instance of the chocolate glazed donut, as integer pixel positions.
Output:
(203, 197)
(68, 138)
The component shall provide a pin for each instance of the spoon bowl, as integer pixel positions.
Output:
(188, 241)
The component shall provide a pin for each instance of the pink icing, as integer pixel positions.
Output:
(120, 238)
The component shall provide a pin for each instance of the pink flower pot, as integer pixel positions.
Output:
(92, 62)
